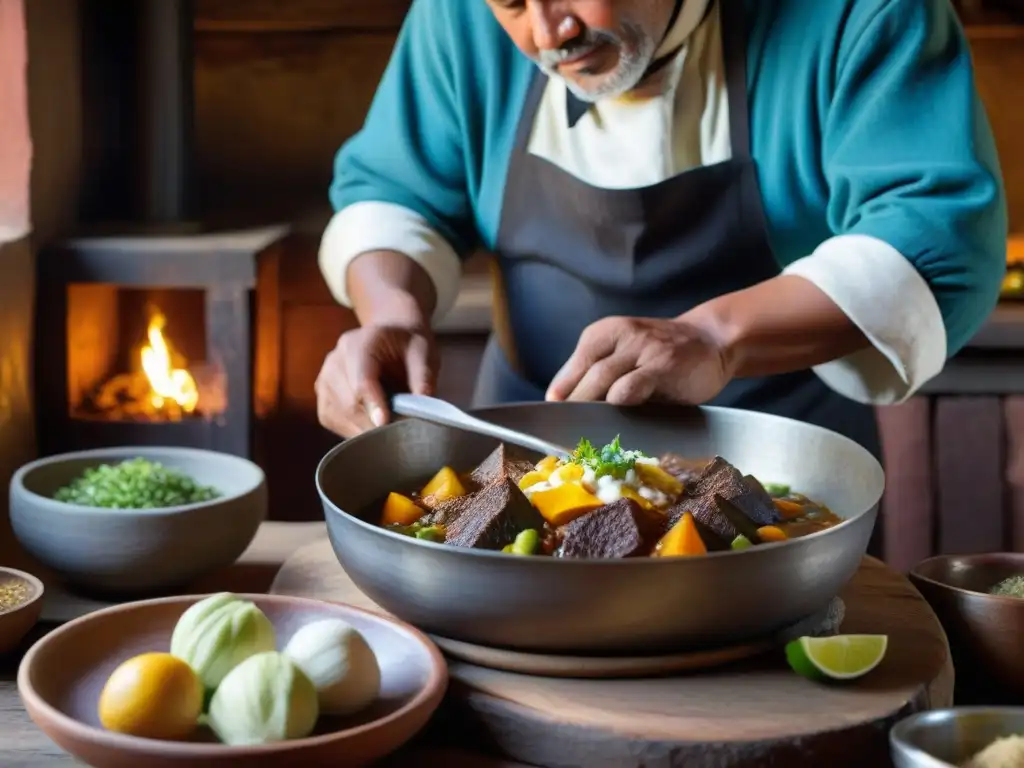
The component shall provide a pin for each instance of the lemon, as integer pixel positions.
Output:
(155, 695)
(840, 657)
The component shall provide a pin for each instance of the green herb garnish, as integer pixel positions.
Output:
(1011, 587)
(612, 460)
(134, 484)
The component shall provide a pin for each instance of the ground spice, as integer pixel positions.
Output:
(13, 593)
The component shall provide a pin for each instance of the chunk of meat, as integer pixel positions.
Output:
(682, 469)
(504, 463)
(620, 529)
(723, 479)
(489, 518)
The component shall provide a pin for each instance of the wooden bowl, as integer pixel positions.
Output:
(19, 620)
(61, 677)
(984, 630)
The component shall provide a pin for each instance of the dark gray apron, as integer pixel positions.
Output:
(570, 253)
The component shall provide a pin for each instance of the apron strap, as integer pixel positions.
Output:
(734, 45)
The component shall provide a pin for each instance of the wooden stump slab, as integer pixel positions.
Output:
(756, 713)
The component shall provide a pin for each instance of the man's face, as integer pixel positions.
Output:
(601, 48)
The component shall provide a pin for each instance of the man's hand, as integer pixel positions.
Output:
(630, 360)
(349, 391)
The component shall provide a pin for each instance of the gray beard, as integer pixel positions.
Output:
(627, 76)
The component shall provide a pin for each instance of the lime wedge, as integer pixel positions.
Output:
(840, 657)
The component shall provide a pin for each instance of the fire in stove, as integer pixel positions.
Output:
(161, 388)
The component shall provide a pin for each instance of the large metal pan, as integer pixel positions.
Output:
(591, 606)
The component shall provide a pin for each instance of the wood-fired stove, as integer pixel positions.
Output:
(100, 300)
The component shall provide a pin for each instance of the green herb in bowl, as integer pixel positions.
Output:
(134, 484)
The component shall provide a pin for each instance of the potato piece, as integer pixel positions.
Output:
(444, 485)
(563, 503)
(682, 540)
(400, 510)
(655, 477)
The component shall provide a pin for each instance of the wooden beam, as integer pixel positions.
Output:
(261, 16)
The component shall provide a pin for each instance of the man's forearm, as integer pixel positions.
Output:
(781, 325)
(389, 288)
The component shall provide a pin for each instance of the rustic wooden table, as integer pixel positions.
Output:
(22, 745)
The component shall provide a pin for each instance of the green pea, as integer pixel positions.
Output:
(741, 542)
(133, 484)
(526, 542)
(433, 533)
(777, 489)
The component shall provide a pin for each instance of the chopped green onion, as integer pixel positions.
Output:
(777, 489)
(134, 484)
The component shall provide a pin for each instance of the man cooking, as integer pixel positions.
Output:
(785, 206)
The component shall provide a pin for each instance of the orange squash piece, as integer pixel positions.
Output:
(547, 465)
(444, 485)
(789, 509)
(682, 540)
(564, 503)
(655, 477)
(400, 510)
(567, 473)
(768, 533)
(532, 478)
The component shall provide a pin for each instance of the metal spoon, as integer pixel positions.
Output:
(448, 415)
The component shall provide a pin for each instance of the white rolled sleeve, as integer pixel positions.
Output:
(376, 226)
(887, 298)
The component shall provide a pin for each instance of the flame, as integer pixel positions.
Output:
(166, 382)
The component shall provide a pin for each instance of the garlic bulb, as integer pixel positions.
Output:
(337, 658)
(218, 633)
(264, 699)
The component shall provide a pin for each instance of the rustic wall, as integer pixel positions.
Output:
(279, 87)
(999, 66)
(15, 256)
(39, 161)
(55, 113)
(15, 144)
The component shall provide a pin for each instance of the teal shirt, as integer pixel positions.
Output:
(864, 120)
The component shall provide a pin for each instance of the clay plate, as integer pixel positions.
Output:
(61, 677)
(19, 620)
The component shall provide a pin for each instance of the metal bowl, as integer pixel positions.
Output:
(607, 606)
(984, 630)
(945, 738)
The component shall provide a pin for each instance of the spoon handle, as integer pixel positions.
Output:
(444, 413)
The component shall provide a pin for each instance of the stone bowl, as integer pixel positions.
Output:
(17, 621)
(62, 675)
(137, 552)
(984, 630)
